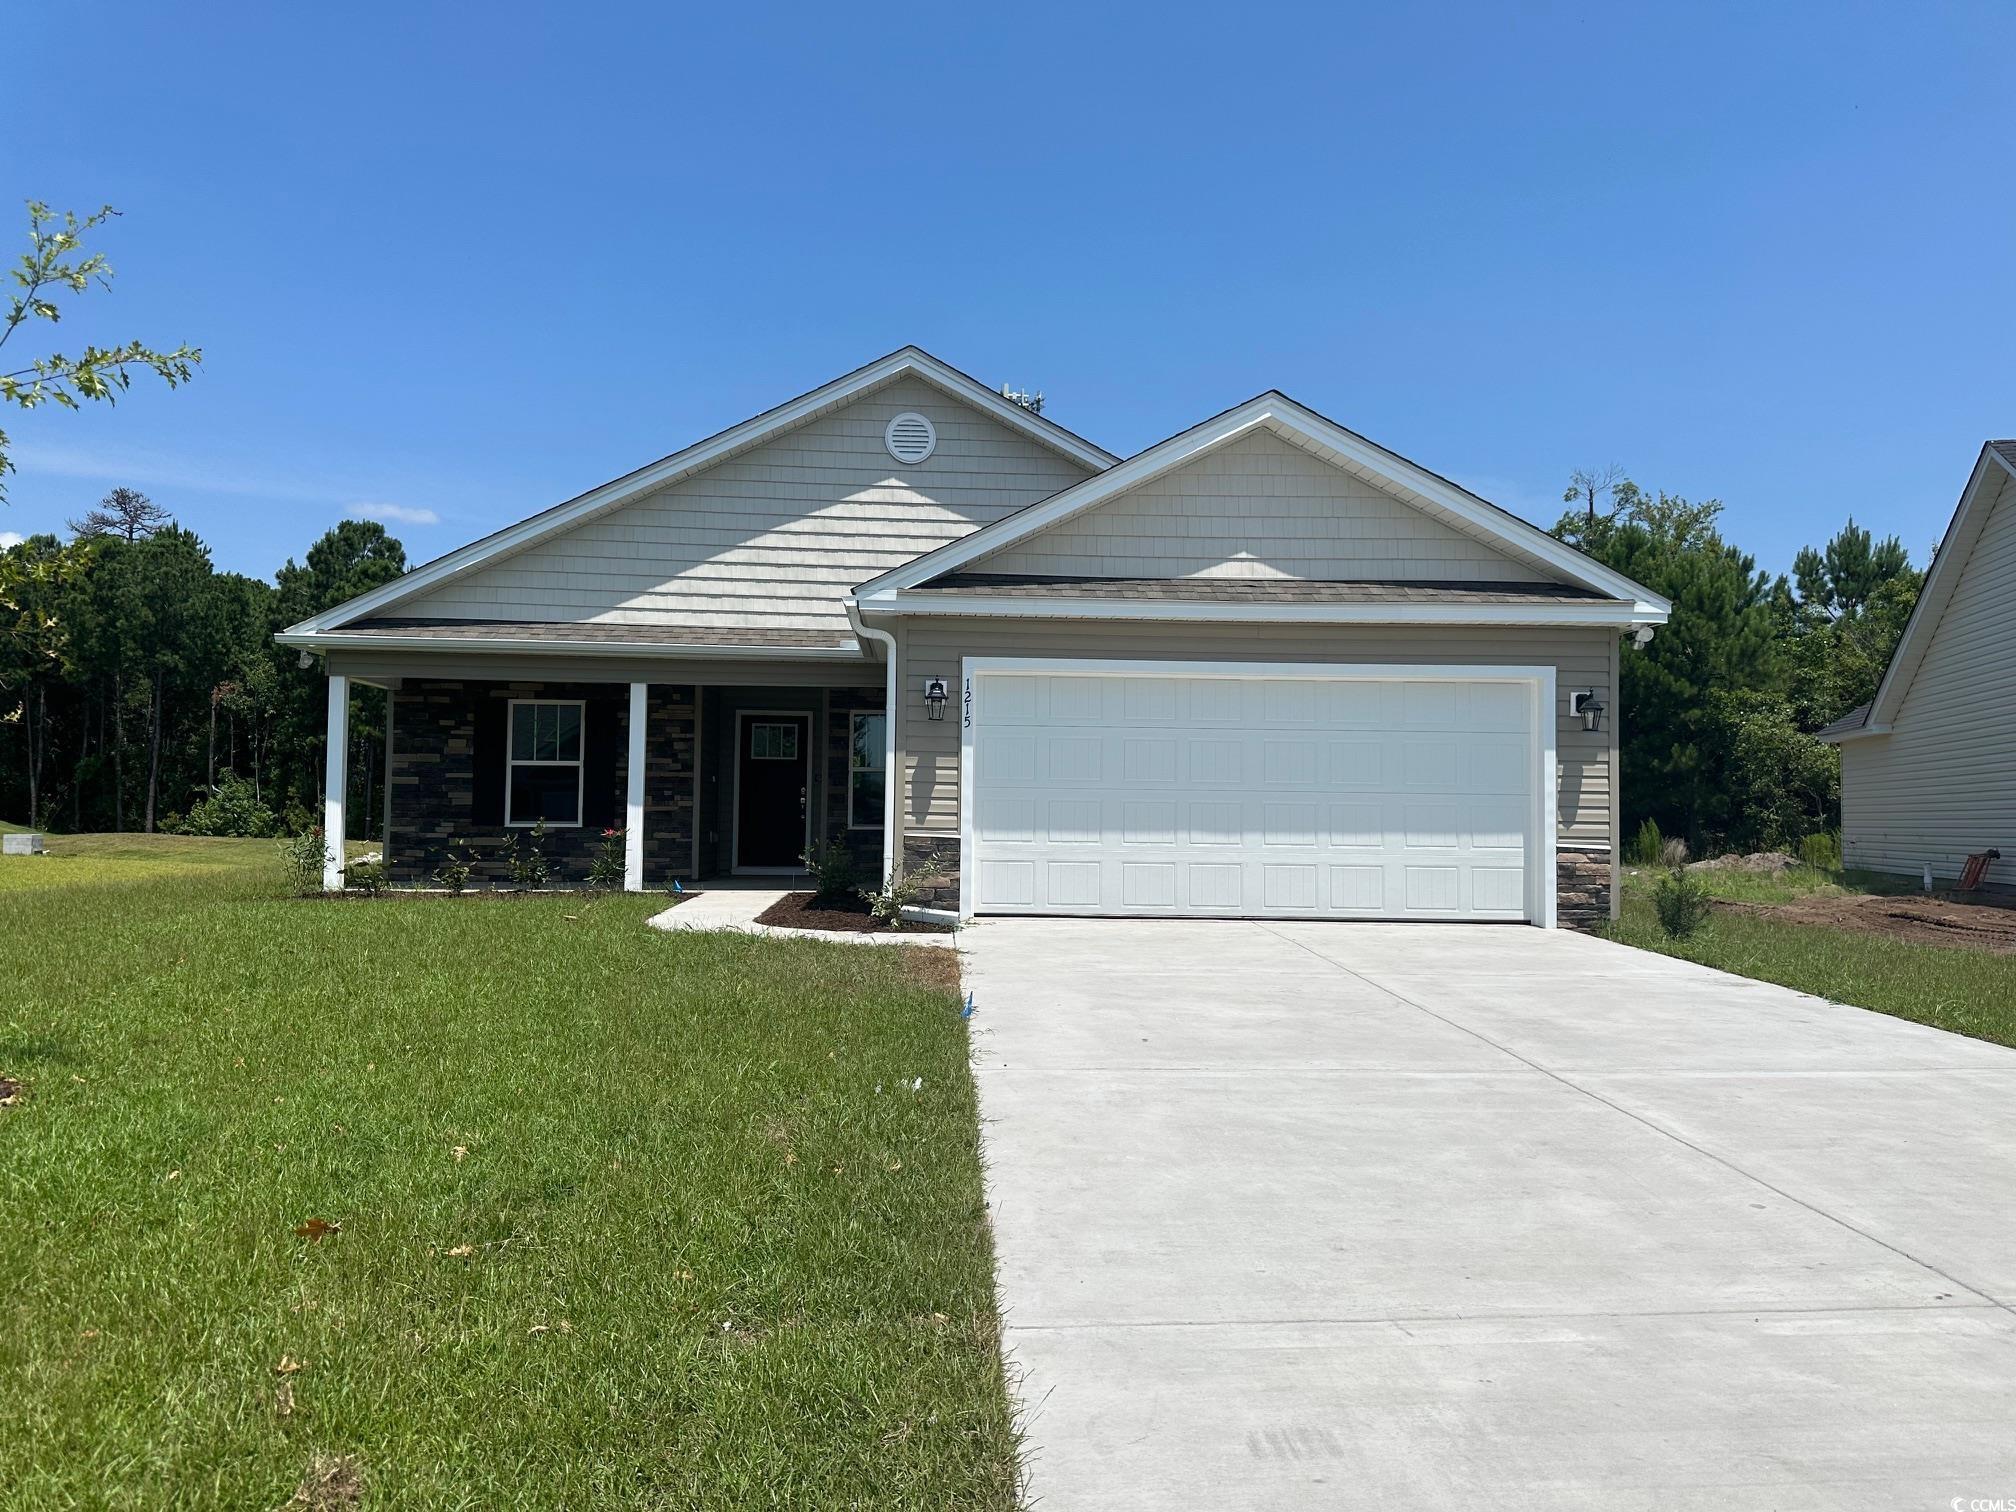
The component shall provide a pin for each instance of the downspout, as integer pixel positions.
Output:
(891, 778)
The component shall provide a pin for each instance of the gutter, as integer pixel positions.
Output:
(891, 776)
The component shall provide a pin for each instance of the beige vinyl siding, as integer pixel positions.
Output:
(776, 536)
(935, 647)
(1942, 784)
(1258, 507)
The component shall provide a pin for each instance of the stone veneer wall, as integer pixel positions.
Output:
(671, 731)
(1582, 880)
(865, 845)
(436, 751)
(1581, 889)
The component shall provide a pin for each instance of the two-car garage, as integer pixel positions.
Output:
(1257, 790)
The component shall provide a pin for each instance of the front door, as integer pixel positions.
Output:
(773, 770)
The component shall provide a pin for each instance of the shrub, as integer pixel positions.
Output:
(302, 857)
(1673, 852)
(834, 880)
(233, 808)
(902, 892)
(367, 877)
(1822, 851)
(529, 867)
(1681, 901)
(454, 872)
(606, 869)
(1645, 845)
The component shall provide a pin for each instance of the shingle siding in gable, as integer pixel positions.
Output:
(774, 538)
(1258, 507)
(1942, 784)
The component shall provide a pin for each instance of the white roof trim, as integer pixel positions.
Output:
(323, 641)
(909, 360)
(1948, 563)
(1034, 606)
(1278, 412)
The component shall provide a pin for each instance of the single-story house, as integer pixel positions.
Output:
(1928, 767)
(1264, 668)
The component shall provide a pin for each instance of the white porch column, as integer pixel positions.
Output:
(633, 810)
(335, 780)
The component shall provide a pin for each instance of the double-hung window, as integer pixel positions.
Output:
(542, 777)
(867, 770)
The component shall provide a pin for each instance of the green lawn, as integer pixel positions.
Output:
(1966, 991)
(616, 1217)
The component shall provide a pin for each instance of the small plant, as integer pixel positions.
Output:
(1681, 901)
(529, 867)
(1822, 851)
(232, 808)
(901, 892)
(303, 857)
(1646, 845)
(367, 877)
(1673, 852)
(834, 876)
(606, 869)
(453, 874)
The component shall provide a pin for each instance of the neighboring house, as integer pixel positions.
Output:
(1928, 769)
(1263, 668)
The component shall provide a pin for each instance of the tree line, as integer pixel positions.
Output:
(1719, 710)
(140, 688)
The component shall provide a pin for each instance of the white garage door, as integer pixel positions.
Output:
(1406, 797)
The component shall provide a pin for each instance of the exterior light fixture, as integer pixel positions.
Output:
(935, 697)
(1590, 707)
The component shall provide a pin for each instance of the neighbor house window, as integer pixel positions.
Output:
(543, 777)
(867, 770)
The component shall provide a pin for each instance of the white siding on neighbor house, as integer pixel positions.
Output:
(1258, 507)
(1942, 784)
(777, 536)
(1583, 659)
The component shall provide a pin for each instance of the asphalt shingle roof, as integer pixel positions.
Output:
(1255, 590)
(615, 635)
(1853, 720)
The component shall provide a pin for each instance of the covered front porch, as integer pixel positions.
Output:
(691, 769)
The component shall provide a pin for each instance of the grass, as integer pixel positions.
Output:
(1965, 991)
(616, 1217)
(1733, 886)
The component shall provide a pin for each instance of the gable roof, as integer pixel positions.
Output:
(910, 360)
(1992, 470)
(1315, 433)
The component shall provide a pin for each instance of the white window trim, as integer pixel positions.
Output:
(511, 763)
(1543, 834)
(883, 753)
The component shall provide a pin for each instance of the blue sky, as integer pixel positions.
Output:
(460, 263)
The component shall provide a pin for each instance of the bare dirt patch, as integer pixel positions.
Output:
(795, 911)
(1920, 921)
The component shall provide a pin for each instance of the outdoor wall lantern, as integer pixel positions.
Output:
(1590, 707)
(935, 697)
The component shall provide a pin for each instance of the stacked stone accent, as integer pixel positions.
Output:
(671, 726)
(434, 783)
(865, 845)
(1581, 889)
(944, 849)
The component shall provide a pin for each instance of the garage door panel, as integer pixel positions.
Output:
(1296, 797)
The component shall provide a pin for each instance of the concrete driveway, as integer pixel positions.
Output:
(1420, 1216)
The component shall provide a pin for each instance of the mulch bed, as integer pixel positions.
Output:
(795, 911)
(1918, 920)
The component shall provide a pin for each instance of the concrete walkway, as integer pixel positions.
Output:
(1418, 1216)
(737, 904)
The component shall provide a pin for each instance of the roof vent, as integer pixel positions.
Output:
(910, 437)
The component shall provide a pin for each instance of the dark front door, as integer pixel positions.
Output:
(773, 770)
